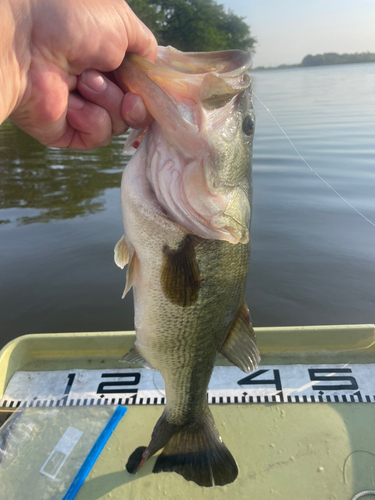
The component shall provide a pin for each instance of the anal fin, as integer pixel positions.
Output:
(133, 356)
(240, 346)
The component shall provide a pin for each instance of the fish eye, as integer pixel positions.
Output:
(248, 124)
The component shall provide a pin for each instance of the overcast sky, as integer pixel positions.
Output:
(287, 30)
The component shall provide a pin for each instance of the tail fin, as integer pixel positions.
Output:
(196, 451)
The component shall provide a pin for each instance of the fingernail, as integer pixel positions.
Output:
(75, 102)
(93, 80)
(138, 113)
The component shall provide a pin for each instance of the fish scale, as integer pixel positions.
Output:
(186, 202)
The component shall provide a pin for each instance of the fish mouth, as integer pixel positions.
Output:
(185, 93)
(179, 87)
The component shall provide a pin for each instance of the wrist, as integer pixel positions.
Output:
(13, 55)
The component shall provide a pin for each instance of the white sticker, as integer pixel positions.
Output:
(61, 452)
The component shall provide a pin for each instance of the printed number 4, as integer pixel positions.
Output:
(252, 379)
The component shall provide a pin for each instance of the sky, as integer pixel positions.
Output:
(288, 30)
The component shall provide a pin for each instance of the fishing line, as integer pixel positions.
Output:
(309, 166)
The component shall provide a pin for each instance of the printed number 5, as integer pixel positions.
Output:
(331, 376)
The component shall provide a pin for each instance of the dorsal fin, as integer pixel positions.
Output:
(240, 346)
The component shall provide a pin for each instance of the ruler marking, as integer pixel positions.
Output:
(227, 386)
(359, 396)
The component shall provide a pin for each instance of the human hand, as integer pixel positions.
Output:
(64, 47)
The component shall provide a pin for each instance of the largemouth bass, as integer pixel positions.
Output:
(186, 201)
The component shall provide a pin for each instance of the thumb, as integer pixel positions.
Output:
(141, 41)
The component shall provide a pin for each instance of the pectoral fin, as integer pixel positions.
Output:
(133, 356)
(121, 253)
(180, 274)
(240, 345)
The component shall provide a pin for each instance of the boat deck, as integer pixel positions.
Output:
(284, 450)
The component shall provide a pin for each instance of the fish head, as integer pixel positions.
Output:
(199, 145)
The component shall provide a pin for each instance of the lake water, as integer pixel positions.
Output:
(313, 257)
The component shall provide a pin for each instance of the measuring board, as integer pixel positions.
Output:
(268, 384)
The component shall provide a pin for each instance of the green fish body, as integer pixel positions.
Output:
(186, 201)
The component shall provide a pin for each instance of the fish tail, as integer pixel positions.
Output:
(195, 451)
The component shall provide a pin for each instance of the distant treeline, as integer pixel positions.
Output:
(328, 59)
(333, 58)
(194, 25)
